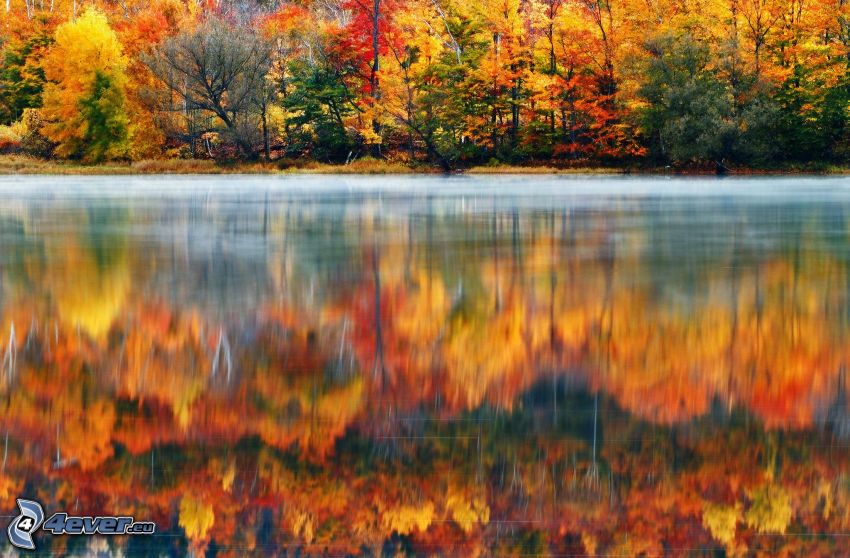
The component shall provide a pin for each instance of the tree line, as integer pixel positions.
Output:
(719, 84)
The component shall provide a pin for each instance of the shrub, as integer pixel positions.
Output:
(33, 141)
(10, 141)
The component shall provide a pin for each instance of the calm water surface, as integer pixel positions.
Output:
(523, 366)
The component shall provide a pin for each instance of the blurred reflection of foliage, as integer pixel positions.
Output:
(504, 383)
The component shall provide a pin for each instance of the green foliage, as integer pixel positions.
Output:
(689, 118)
(700, 112)
(106, 121)
(756, 143)
(446, 95)
(812, 120)
(437, 116)
(21, 76)
(526, 543)
(454, 83)
(84, 96)
(318, 103)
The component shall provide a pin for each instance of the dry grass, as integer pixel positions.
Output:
(22, 164)
(360, 166)
(175, 166)
(539, 169)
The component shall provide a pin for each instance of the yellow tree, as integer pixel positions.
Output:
(85, 95)
(504, 70)
(196, 518)
(150, 23)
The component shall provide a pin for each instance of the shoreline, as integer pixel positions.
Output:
(17, 165)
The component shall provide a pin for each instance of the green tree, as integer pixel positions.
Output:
(689, 117)
(318, 104)
(431, 88)
(813, 119)
(84, 97)
(21, 75)
(106, 120)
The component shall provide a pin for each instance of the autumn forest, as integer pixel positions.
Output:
(445, 84)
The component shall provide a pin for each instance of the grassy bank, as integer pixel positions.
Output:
(539, 169)
(20, 164)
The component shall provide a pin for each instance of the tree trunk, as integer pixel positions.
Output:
(266, 147)
(373, 78)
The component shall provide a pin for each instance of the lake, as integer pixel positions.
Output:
(465, 366)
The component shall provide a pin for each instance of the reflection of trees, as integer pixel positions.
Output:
(22, 254)
(501, 382)
(88, 273)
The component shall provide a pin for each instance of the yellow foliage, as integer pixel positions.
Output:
(770, 511)
(423, 314)
(19, 127)
(9, 138)
(481, 351)
(183, 402)
(228, 476)
(276, 118)
(301, 523)
(466, 512)
(721, 521)
(83, 48)
(589, 543)
(407, 519)
(88, 292)
(196, 518)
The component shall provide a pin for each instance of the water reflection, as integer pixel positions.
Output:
(616, 367)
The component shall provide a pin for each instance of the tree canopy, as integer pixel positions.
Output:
(720, 84)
